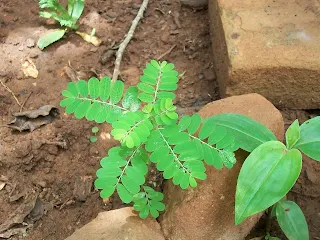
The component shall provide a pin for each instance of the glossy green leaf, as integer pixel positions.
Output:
(77, 9)
(292, 221)
(83, 88)
(248, 133)
(116, 91)
(266, 176)
(94, 88)
(50, 38)
(293, 134)
(144, 97)
(124, 194)
(130, 99)
(105, 87)
(309, 142)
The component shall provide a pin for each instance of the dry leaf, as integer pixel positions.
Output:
(31, 120)
(2, 185)
(82, 188)
(20, 213)
(15, 231)
(90, 39)
(29, 69)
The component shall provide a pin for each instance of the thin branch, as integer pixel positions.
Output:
(10, 91)
(25, 101)
(166, 53)
(127, 39)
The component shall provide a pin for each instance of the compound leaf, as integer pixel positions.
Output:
(123, 170)
(148, 202)
(266, 177)
(158, 82)
(96, 100)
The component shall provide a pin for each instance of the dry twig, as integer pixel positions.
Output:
(9, 90)
(166, 53)
(25, 101)
(127, 39)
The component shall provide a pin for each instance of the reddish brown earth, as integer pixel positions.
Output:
(34, 164)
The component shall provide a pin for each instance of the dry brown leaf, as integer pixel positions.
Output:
(31, 120)
(29, 69)
(20, 213)
(90, 39)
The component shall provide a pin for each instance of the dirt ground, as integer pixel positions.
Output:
(51, 161)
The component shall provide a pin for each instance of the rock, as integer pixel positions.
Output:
(34, 53)
(207, 212)
(30, 43)
(120, 224)
(312, 175)
(194, 3)
(268, 47)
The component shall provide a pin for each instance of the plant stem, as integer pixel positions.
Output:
(269, 219)
(127, 39)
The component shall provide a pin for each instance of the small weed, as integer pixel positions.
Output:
(66, 17)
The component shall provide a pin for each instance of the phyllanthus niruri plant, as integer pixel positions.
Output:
(145, 122)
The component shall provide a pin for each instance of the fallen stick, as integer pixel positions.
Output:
(25, 101)
(166, 53)
(127, 39)
(10, 91)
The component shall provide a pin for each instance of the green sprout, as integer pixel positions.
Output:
(66, 17)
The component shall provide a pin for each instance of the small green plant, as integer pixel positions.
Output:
(94, 138)
(145, 122)
(66, 17)
(271, 170)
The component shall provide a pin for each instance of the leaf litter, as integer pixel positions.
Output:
(31, 120)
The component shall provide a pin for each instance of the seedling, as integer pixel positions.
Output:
(145, 122)
(94, 138)
(271, 170)
(66, 17)
(146, 125)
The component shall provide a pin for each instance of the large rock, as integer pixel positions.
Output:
(207, 212)
(120, 224)
(268, 47)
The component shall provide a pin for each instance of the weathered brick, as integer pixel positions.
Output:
(269, 47)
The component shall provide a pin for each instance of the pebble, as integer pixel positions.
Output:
(311, 175)
(34, 53)
(42, 184)
(30, 43)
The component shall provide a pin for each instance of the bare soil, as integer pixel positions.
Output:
(35, 163)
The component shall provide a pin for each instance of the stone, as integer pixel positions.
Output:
(194, 3)
(207, 212)
(268, 47)
(119, 224)
(30, 43)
